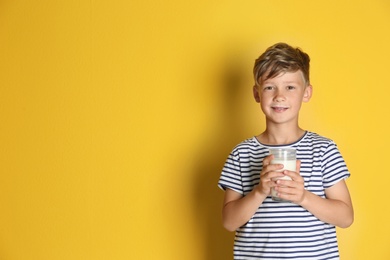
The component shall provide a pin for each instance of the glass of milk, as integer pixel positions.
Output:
(287, 157)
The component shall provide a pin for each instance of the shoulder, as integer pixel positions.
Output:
(249, 146)
(248, 143)
(317, 140)
(322, 148)
(313, 143)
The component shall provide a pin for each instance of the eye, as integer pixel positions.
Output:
(268, 88)
(290, 87)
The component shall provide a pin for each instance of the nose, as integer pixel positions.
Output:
(279, 96)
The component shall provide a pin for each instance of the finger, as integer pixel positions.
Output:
(284, 183)
(286, 190)
(282, 190)
(295, 176)
(289, 183)
(274, 170)
(298, 166)
(270, 178)
(267, 160)
(282, 193)
(272, 173)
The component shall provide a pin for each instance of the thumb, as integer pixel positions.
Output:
(298, 166)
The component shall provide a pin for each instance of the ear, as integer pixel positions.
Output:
(308, 93)
(256, 94)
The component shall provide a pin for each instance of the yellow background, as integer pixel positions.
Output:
(117, 116)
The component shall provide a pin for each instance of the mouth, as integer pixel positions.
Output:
(279, 108)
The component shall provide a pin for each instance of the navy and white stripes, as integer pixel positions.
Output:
(283, 230)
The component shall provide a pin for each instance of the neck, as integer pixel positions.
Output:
(280, 135)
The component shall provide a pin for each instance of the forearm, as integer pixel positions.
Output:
(238, 212)
(332, 211)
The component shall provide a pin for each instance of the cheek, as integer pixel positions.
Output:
(264, 97)
(297, 105)
(263, 107)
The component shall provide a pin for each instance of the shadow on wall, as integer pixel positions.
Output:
(208, 198)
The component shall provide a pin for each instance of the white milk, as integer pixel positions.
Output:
(289, 165)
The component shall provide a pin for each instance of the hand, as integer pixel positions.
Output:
(294, 189)
(268, 173)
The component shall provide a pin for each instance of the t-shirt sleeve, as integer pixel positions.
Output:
(231, 174)
(334, 167)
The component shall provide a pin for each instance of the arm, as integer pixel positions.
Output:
(335, 209)
(239, 209)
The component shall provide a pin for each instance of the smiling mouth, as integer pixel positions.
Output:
(279, 109)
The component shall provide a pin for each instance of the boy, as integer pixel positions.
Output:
(303, 228)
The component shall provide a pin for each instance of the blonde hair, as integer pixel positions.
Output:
(281, 58)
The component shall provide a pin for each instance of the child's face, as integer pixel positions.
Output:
(281, 97)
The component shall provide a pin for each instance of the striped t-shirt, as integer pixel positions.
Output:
(284, 230)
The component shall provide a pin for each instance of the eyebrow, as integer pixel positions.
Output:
(269, 81)
(289, 82)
